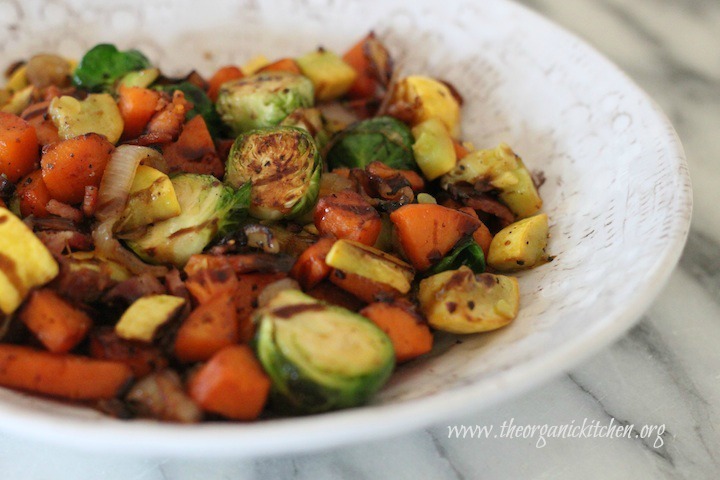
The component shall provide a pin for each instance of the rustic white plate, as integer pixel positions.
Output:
(617, 192)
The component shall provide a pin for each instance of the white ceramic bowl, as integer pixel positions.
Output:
(617, 192)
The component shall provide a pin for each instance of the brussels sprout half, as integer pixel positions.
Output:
(263, 100)
(320, 357)
(283, 164)
(384, 139)
(207, 208)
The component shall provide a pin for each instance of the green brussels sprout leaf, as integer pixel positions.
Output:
(104, 64)
(466, 253)
(384, 139)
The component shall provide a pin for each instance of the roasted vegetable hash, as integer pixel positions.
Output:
(272, 240)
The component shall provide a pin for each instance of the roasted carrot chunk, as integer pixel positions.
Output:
(482, 235)
(137, 106)
(348, 215)
(232, 383)
(54, 321)
(208, 283)
(365, 84)
(19, 148)
(282, 65)
(61, 375)
(250, 286)
(210, 327)
(427, 232)
(222, 75)
(460, 150)
(310, 267)
(363, 288)
(71, 165)
(33, 195)
(37, 117)
(334, 295)
(409, 333)
(194, 151)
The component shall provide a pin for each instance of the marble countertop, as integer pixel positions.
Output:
(664, 373)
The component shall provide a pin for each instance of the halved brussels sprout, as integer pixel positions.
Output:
(263, 100)
(384, 139)
(207, 208)
(320, 357)
(284, 167)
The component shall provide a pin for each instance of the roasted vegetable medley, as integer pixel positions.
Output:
(271, 240)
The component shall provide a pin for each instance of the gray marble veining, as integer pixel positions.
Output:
(664, 371)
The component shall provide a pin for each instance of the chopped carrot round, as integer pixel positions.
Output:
(282, 65)
(33, 195)
(61, 375)
(222, 75)
(346, 214)
(19, 148)
(310, 267)
(71, 165)
(427, 232)
(137, 106)
(408, 332)
(232, 383)
(54, 321)
(210, 327)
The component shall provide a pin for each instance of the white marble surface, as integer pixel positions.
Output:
(663, 372)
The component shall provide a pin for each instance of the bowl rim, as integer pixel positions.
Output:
(374, 422)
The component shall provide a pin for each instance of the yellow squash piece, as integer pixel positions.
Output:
(25, 263)
(428, 98)
(98, 113)
(254, 64)
(459, 301)
(520, 245)
(19, 101)
(433, 148)
(152, 199)
(353, 257)
(143, 318)
(331, 76)
(78, 261)
(18, 80)
(505, 171)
